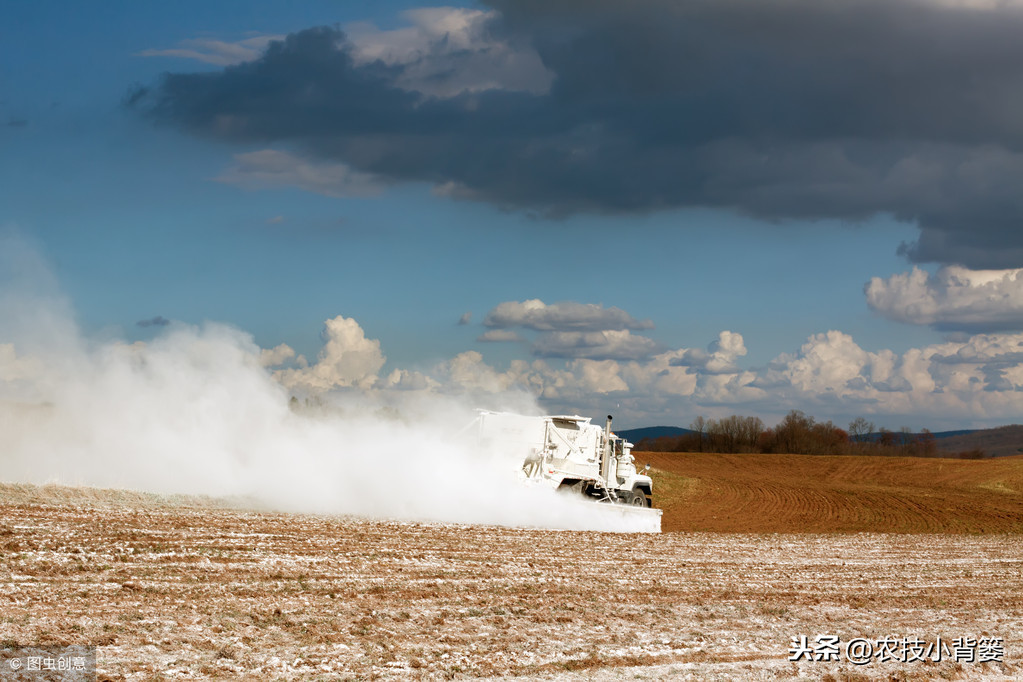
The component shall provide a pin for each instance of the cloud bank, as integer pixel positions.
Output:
(778, 109)
(953, 298)
(976, 380)
(571, 330)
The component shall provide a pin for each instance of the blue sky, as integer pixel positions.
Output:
(707, 206)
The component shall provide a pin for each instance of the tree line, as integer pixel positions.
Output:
(800, 434)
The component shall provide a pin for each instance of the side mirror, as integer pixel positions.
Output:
(646, 468)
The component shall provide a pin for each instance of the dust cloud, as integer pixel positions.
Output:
(193, 411)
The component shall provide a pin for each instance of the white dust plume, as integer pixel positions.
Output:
(194, 411)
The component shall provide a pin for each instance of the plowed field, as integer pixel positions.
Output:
(804, 493)
(189, 589)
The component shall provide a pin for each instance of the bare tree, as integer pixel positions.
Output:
(925, 444)
(752, 430)
(905, 439)
(793, 434)
(722, 434)
(734, 434)
(699, 425)
(860, 429)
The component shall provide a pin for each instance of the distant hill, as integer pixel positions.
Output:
(948, 434)
(1003, 441)
(939, 435)
(651, 432)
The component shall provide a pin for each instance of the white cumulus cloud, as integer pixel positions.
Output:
(829, 363)
(598, 376)
(660, 376)
(348, 359)
(979, 378)
(278, 355)
(952, 298)
(719, 358)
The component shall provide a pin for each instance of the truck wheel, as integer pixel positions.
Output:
(639, 499)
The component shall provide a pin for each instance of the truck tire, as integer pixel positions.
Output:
(639, 499)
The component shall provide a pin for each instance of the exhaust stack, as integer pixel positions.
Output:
(607, 463)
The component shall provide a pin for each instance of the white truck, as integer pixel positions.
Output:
(569, 454)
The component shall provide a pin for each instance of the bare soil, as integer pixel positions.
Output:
(185, 588)
(756, 493)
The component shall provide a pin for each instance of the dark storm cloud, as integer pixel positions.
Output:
(777, 108)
